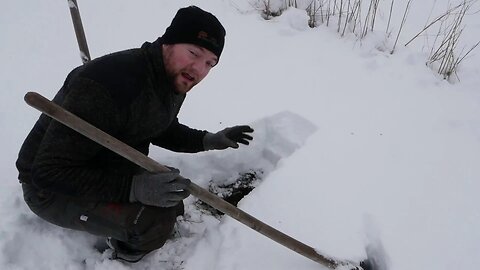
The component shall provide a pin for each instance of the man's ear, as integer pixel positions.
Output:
(165, 47)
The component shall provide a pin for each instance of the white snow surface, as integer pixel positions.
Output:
(355, 143)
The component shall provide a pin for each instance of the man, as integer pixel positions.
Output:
(134, 95)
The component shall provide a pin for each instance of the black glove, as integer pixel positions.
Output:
(229, 137)
(164, 189)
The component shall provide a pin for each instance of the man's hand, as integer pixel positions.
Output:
(229, 137)
(164, 189)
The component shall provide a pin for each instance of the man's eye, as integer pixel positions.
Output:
(193, 53)
(211, 64)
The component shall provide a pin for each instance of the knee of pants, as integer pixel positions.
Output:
(152, 227)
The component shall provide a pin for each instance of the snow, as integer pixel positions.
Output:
(355, 143)
(72, 4)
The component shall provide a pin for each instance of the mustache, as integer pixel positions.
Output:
(191, 73)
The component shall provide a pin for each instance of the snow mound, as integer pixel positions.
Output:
(275, 138)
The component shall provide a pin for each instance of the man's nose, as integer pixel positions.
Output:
(199, 67)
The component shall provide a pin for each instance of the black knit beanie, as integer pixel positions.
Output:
(196, 26)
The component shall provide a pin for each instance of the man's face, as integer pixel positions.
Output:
(187, 64)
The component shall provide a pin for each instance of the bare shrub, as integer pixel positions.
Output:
(267, 10)
(444, 56)
(370, 18)
(347, 17)
(389, 18)
(312, 10)
(401, 25)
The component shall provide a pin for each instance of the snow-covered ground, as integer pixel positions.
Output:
(353, 140)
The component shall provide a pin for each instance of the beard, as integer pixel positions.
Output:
(182, 81)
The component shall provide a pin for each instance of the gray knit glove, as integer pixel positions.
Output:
(164, 189)
(229, 137)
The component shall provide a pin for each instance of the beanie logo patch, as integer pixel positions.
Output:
(205, 37)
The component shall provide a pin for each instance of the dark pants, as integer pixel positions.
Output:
(136, 226)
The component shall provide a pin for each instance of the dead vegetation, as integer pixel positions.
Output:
(359, 18)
